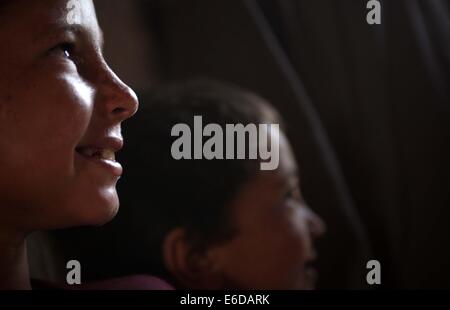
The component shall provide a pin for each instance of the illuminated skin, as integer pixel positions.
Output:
(61, 109)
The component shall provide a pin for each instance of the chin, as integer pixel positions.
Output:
(94, 210)
(103, 212)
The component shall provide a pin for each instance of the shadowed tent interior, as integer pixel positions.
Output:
(367, 111)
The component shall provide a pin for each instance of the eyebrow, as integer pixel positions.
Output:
(78, 30)
(288, 180)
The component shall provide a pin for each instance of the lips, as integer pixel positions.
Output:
(102, 152)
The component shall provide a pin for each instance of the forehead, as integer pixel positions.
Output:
(34, 19)
(288, 165)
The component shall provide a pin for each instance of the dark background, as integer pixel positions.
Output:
(367, 108)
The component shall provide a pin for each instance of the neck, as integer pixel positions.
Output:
(13, 262)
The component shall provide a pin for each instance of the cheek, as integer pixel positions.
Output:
(287, 242)
(40, 126)
(51, 117)
(270, 256)
(297, 229)
(290, 251)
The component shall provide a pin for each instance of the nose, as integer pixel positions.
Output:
(316, 225)
(120, 102)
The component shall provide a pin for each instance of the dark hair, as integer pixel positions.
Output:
(159, 193)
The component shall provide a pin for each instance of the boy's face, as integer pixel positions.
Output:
(61, 108)
(273, 246)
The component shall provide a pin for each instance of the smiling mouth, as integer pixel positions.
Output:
(102, 157)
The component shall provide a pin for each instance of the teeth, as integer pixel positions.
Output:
(108, 154)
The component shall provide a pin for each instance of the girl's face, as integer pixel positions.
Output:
(61, 109)
(273, 246)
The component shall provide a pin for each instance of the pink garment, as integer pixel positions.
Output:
(136, 282)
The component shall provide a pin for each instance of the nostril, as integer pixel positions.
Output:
(119, 110)
(122, 111)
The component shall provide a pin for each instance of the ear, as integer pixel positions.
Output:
(191, 268)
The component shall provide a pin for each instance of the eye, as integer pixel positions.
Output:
(66, 50)
(294, 193)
